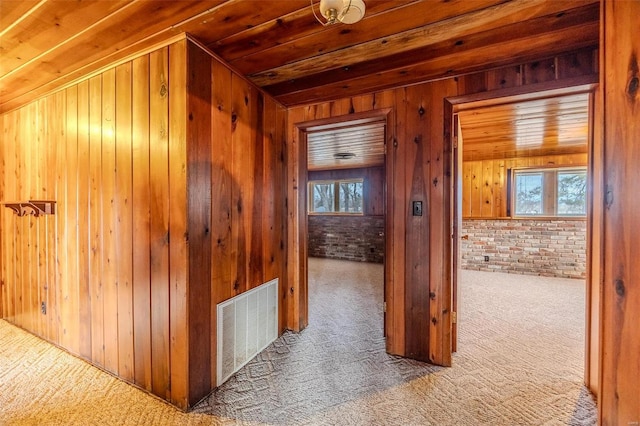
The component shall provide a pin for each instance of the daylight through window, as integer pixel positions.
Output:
(340, 196)
(550, 192)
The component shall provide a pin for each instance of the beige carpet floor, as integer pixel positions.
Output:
(519, 363)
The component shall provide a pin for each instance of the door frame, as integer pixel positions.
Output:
(594, 228)
(298, 309)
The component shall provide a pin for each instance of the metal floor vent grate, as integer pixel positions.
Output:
(247, 324)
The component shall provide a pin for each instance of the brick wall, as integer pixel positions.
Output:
(359, 238)
(534, 247)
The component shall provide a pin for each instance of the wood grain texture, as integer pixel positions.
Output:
(282, 44)
(141, 210)
(416, 182)
(221, 123)
(140, 168)
(180, 232)
(84, 250)
(198, 198)
(484, 183)
(159, 223)
(595, 211)
(620, 76)
(70, 287)
(124, 221)
(95, 220)
(107, 192)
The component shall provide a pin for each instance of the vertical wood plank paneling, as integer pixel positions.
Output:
(196, 193)
(38, 228)
(270, 181)
(122, 157)
(503, 78)
(539, 71)
(620, 79)
(498, 183)
(70, 287)
(15, 223)
(140, 205)
(182, 234)
(221, 209)
(576, 64)
(486, 196)
(242, 171)
(56, 225)
(295, 217)
(222, 120)
(467, 174)
(280, 212)
(7, 190)
(595, 211)
(398, 208)
(476, 189)
(109, 247)
(418, 162)
(3, 230)
(124, 221)
(159, 223)
(31, 269)
(85, 299)
(11, 188)
(255, 272)
(486, 210)
(95, 220)
(440, 217)
(25, 130)
(392, 316)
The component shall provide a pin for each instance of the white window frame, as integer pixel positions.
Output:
(336, 196)
(549, 191)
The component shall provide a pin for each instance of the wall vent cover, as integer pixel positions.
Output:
(246, 324)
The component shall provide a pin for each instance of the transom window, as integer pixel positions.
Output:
(336, 196)
(550, 192)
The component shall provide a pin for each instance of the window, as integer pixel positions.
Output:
(340, 196)
(550, 192)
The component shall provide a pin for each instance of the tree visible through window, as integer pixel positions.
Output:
(550, 192)
(529, 193)
(341, 196)
(572, 193)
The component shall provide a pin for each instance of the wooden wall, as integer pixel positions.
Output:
(619, 401)
(107, 164)
(484, 182)
(373, 185)
(168, 173)
(418, 168)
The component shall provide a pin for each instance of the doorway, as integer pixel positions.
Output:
(343, 171)
(552, 157)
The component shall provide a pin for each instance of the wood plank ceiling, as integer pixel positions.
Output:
(352, 145)
(550, 126)
(279, 45)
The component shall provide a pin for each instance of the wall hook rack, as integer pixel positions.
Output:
(32, 207)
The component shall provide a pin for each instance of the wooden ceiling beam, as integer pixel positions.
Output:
(238, 17)
(479, 21)
(457, 45)
(496, 55)
(384, 19)
(293, 31)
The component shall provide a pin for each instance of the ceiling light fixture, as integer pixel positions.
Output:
(343, 155)
(345, 11)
